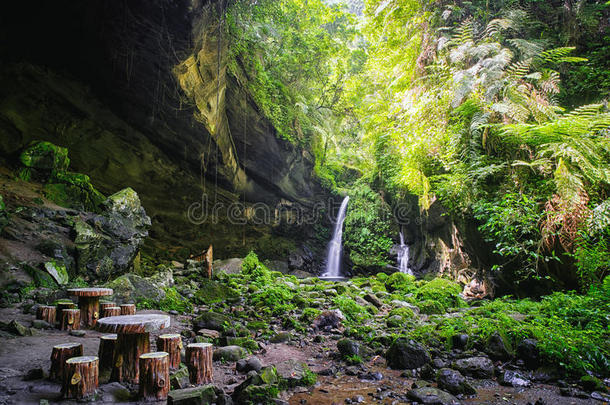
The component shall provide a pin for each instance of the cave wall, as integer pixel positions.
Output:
(131, 88)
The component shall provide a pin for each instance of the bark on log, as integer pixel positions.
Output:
(89, 310)
(61, 305)
(80, 377)
(59, 355)
(106, 353)
(70, 319)
(129, 348)
(154, 376)
(111, 311)
(199, 363)
(128, 309)
(172, 345)
(47, 313)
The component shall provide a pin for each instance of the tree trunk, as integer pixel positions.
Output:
(61, 305)
(106, 354)
(47, 313)
(70, 319)
(128, 349)
(154, 376)
(172, 344)
(80, 377)
(199, 363)
(89, 310)
(59, 355)
(111, 311)
(128, 309)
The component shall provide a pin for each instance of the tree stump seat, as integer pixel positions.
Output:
(106, 304)
(154, 381)
(199, 363)
(133, 340)
(47, 313)
(80, 377)
(59, 355)
(70, 319)
(172, 344)
(111, 311)
(128, 309)
(106, 354)
(61, 305)
(89, 303)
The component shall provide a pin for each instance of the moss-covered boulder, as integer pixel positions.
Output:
(400, 281)
(58, 271)
(211, 291)
(42, 160)
(73, 190)
(229, 353)
(211, 320)
(131, 287)
(444, 291)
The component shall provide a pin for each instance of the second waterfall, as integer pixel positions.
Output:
(335, 247)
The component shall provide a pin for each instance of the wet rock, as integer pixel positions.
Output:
(407, 354)
(16, 328)
(591, 383)
(329, 319)
(573, 392)
(514, 379)
(478, 367)
(373, 299)
(348, 347)
(600, 396)
(34, 374)
(203, 395)
(291, 372)
(229, 353)
(132, 288)
(545, 374)
(228, 266)
(454, 382)
(459, 341)
(528, 351)
(432, 396)
(211, 320)
(40, 324)
(42, 160)
(496, 348)
(253, 363)
(209, 333)
(58, 271)
(179, 379)
(281, 337)
(77, 333)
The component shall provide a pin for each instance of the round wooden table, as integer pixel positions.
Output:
(89, 303)
(133, 339)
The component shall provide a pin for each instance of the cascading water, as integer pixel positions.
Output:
(335, 247)
(403, 256)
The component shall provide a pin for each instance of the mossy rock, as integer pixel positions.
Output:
(431, 307)
(73, 190)
(400, 281)
(445, 291)
(212, 320)
(591, 383)
(41, 277)
(57, 271)
(211, 291)
(42, 160)
(229, 353)
(244, 342)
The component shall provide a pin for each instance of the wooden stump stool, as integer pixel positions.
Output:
(154, 376)
(172, 344)
(70, 319)
(89, 303)
(59, 355)
(128, 309)
(199, 363)
(61, 305)
(106, 304)
(133, 340)
(106, 353)
(47, 313)
(111, 311)
(80, 377)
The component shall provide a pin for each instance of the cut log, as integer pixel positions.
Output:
(106, 304)
(199, 363)
(89, 303)
(47, 313)
(70, 319)
(80, 377)
(59, 355)
(128, 309)
(142, 323)
(154, 376)
(106, 353)
(129, 348)
(61, 305)
(172, 344)
(111, 311)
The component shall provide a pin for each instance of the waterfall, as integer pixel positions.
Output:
(403, 256)
(335, 247)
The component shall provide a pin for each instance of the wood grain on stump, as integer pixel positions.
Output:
(61, 305)
(59, 355)
(47, 313)
(80, 377)
(172, 344)
(106, 353)
(154, 376)
(89, 303)
(111, 311)
(199, 363)
(70, 319)
(128, 309)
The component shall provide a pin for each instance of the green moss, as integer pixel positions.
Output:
(446, 292)
(353, 311)
(400, 282)
(73, 190)
(309, 314)
(431, 307)
(256, 270)
(172, 301)
(211, 291)
(406, 313)
(309, 377)
(45, 156)
(354, 359)
(592, 383)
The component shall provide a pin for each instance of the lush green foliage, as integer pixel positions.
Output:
(172, 301)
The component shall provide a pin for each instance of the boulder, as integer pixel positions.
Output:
(407, 354)
(179, 379)
(291, 372)
(373, 299)
(329, 319)
(513, 378)
(432, 396)
(348, 347)
(203, 395)
(229, 353)
(57, 271)
(211, 320)
(460, 341)
(281, 337)
(228, 266)
(454, 382)
(252, 364)
(528, 351)
(478, 367)
(496, 348)
(41, 160)
(130, 288)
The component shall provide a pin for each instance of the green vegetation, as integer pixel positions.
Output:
(173, 301)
